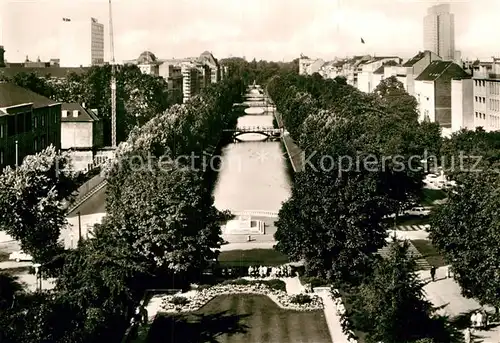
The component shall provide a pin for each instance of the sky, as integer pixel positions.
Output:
(262, 29)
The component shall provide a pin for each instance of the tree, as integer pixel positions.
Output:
(34, 83)
(334, 223)
(32, 199)
(172, 223)
(465, 230)
(394, 96)
(391, 307)
(469, 152)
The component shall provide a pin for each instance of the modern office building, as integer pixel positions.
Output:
(29, 123)
(81, 43)
(487, 94)
(439, 31)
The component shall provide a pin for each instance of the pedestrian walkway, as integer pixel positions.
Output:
(445, 293)
(332, 318)
(422, 263)
(413, 227)
(293, 285)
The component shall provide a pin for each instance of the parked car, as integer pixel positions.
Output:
(418, 211)
(19, 256)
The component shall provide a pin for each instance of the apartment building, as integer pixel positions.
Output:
(29, 123)
(208, 59)
(81, 42)
(82, 133)
(462, 104)
(332, 69)
(372, 72)
(190, 80)
(486, 85)
(408, 71)
(433, 91)
(172, 73)
(308, 66)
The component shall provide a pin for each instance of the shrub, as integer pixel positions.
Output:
(301, 299)
(314, 281)
(276, 284)
(177, 300)
(242, 282)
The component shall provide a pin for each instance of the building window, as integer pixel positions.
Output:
(2, 130)
(43, 142)
(476, 98)
(35, 121)
(35, 144)
(476, 114)
(475, 83)
(2, 157)
(42, 117)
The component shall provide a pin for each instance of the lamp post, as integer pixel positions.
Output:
(17, 153)
(79, 227)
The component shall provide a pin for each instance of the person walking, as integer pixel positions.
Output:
(479, 320)
(467, 335)
(433, 273)
(473, 320)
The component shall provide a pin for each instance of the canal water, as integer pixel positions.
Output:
(253, 173)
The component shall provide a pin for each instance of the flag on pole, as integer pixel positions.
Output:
(66, 19)
(362, 40)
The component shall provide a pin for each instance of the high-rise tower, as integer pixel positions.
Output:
(439, 31)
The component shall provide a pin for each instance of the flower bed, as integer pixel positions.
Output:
(200, 298)
(273, 283)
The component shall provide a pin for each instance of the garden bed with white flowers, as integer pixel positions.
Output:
(196, 300)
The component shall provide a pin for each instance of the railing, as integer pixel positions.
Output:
(257, 213)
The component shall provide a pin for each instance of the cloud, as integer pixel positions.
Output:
(264, 29)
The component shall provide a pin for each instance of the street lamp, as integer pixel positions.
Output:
(38, 276)
(79, 227)
(17, 153)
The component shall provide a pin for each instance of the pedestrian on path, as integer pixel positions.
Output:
(473, 320)
(479, 320)
(467, 335)
(433, 273)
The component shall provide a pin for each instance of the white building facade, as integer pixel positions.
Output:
(486, 83)
(462, 105)
(81, 43)
(308, 66)
(367, 78)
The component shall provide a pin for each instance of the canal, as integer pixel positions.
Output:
(253, 173)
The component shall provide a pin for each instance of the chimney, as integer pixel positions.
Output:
(75, 113)
(64, 113)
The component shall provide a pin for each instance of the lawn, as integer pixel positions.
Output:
(241, 319)
(431, 195)
(253, 257)
(429, 252)
(4, 256)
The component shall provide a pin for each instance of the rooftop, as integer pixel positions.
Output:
(414, 59)
(13, 95)
(85, 115)
(442, 70)
(57, 72)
